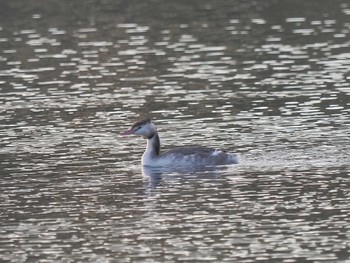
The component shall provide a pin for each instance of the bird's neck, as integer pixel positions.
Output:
(153, 145)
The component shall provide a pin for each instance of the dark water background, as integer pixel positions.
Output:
(266, 79)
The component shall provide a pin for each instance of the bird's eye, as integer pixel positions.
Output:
(138, 128)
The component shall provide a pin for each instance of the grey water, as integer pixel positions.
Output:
(268, 80)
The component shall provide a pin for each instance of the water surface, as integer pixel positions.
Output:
(269, 81)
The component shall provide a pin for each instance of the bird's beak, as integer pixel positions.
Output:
(128, 132)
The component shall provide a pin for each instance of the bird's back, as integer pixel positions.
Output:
(200, 155)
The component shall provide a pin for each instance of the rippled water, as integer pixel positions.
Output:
(266, 79)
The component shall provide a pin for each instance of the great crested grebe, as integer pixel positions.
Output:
(181, 156)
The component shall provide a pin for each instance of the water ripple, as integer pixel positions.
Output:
(259, 79)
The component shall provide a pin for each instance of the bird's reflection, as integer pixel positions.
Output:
(156, 175)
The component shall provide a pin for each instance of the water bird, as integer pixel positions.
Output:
(187, 156)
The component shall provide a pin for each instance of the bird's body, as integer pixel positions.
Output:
(181, 156)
